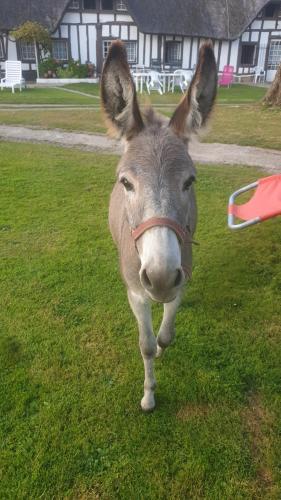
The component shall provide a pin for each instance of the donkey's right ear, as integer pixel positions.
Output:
(118, 93)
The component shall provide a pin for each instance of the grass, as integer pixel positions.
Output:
(43, 95)
(82, 120)
(71, 375)
(246, 126)
(87, 88)
(250, 125)
(237, 94)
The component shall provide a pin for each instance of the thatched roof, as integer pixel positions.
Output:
(220, 19)
(46, 12)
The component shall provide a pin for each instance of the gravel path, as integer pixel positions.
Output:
(227, 154)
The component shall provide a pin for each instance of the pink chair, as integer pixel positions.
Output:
(227, 76)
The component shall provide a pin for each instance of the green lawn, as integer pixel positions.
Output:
(237, 94)
(71, 374)
(87, 88)
(43, 95)
(82, 120)
(250, 125)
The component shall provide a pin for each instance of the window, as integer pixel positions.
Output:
(106, 4)
(74, 4)
(274, 55)
(248, 54)
(173, 53)
(1, 49)
(60, 50)
(131, 48)
(27, 51)
(90, 4)
(131, 51)
(105, 47)
(271, 10)
(120, 5)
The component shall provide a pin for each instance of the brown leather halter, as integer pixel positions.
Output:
(160, 221)
(181, 232)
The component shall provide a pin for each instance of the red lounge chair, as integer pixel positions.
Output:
(264, 204)
(227, 77)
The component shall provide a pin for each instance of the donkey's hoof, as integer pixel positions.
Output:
(159, 351)
(148, 403)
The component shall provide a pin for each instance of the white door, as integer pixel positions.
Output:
(274, 58)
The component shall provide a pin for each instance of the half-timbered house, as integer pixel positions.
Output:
(157, 33)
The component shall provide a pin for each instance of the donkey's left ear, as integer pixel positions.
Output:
(118, 93)
(195, 107)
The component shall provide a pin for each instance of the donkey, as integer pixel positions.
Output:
(152, 213)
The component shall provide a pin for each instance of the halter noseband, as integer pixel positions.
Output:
(180, 231)
(160, 221)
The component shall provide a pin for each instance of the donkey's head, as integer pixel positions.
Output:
(156, 170)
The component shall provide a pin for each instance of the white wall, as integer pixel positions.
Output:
(92, 44)
(12, 50)
(74, 42)
(83, 44)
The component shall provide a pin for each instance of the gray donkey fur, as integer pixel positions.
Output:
(154, 179)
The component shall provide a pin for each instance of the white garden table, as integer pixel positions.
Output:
(139, 79)
(166, 80)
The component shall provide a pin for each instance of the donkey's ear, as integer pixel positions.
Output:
(118, 93)
(195, 107)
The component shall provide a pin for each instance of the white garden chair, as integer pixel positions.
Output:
(259, 74)
(187, 77)
(153, 82)
(13, 76)
(181, 79)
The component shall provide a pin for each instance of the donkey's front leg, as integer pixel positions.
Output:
(167, 328)
(142, 311)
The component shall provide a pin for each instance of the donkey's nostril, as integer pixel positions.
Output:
(178, 279)
(145, 279)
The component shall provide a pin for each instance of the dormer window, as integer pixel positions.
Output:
(120, 5)
(90, 5)
(74, 4)
(271, 10)
(106, 4)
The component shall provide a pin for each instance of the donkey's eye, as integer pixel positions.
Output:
(127, 185)
(188, 183)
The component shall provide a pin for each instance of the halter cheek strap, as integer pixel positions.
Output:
(160, 221)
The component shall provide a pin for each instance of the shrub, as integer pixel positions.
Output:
(65, 72)
(48, 68)
(78, 70)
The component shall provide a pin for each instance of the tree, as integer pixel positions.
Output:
(34, 32)
(273, 95)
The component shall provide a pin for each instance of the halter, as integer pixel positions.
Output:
(160, 221)
(181, 232)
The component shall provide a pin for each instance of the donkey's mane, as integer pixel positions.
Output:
(151, 117)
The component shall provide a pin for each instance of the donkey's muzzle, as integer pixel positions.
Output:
(162, 284)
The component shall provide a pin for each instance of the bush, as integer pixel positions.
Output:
(73, 70)
(65, 72)
(48, 68)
